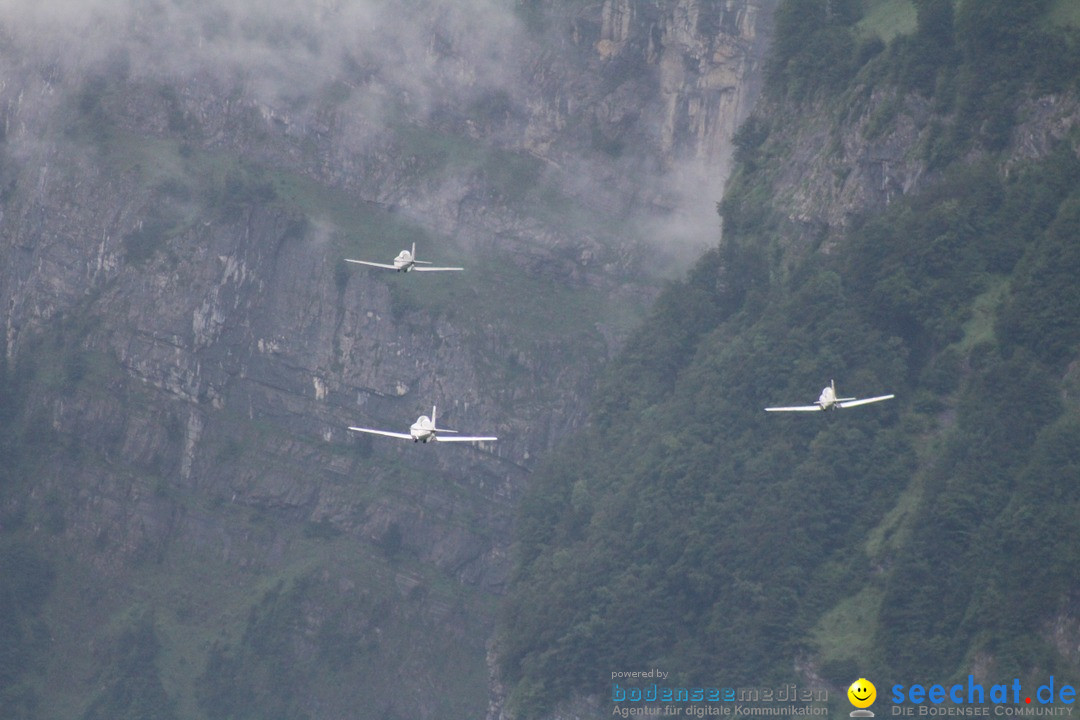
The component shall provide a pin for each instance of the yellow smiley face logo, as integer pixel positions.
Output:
(862, 693)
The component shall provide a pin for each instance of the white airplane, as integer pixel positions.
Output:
(828, 400)
(404, 262)
(424, 429)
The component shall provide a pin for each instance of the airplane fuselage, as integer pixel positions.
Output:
(423, 429)
(828, 400)
(404, 262)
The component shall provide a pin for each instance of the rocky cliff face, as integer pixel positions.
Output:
(185, 347)
(837, 168)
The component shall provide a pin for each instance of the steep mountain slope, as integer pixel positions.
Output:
(902, 218)
(186, 527)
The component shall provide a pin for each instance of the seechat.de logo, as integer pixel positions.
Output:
(862, 694)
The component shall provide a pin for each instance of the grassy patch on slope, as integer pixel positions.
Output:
(888, 18)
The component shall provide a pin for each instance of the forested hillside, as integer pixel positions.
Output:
(904, 217)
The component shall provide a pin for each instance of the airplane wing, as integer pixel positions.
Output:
(387, 433)
(459, 438)
(372, 264)
(853, 403)
(796, 408)
(417, 268)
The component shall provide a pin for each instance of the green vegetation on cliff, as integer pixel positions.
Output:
(686, 530)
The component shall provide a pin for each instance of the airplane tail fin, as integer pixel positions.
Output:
(837, 398)
(427, 262)
(436, 426)
(415, 261)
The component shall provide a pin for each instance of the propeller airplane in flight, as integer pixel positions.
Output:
(405, 262)
(424, 429)
(828, 400)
